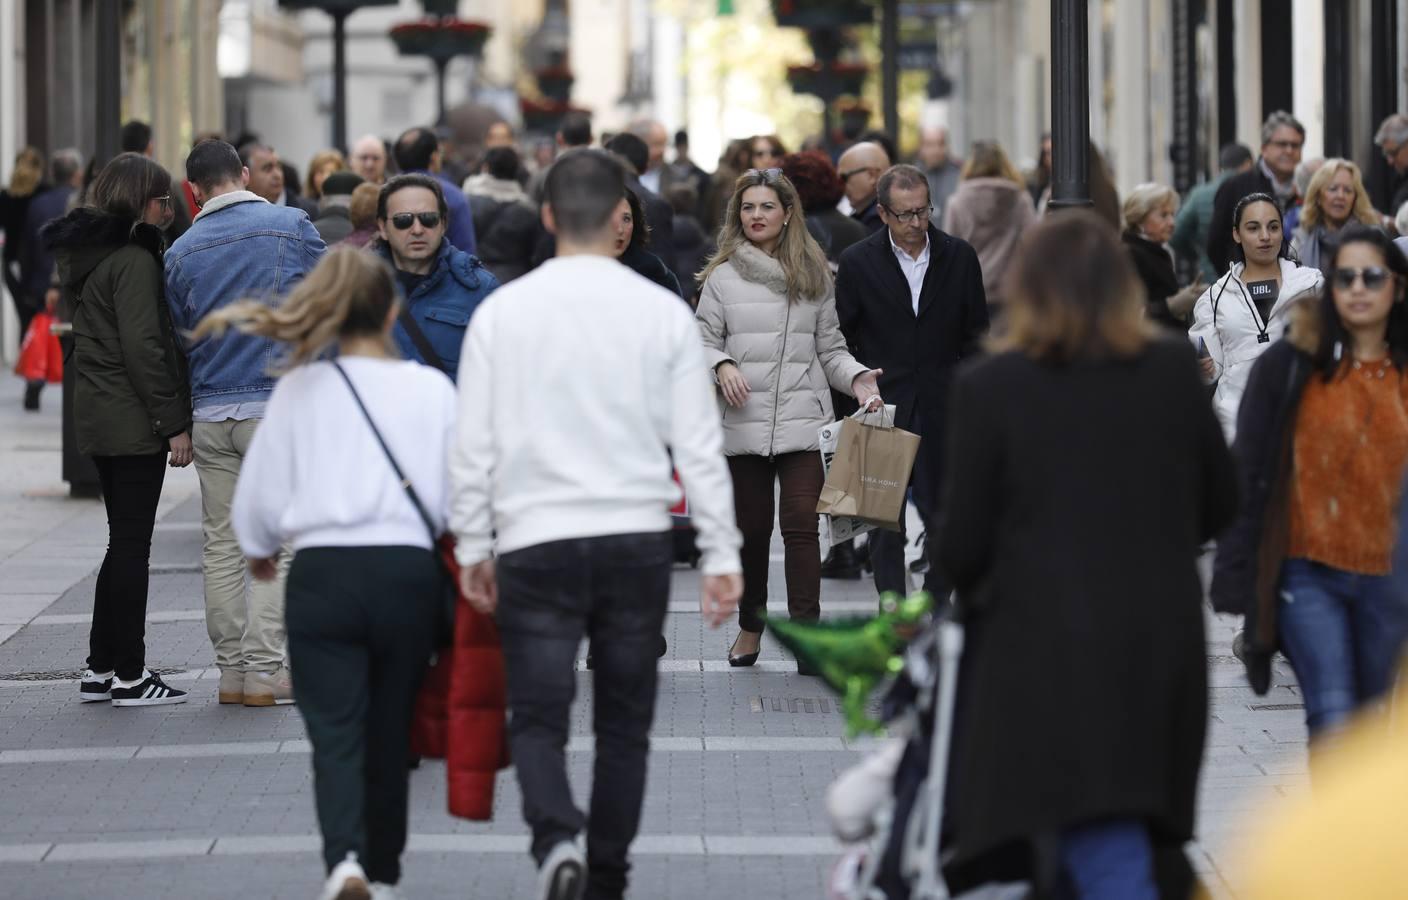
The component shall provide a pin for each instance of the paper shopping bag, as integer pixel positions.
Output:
(869, 473)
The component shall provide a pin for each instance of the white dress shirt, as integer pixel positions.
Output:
(913, 269)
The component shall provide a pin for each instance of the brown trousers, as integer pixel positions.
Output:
(801, 478)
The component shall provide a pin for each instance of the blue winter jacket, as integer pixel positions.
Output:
(240, 247)
(442, 304)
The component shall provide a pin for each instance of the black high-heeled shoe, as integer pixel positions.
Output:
(747, 659)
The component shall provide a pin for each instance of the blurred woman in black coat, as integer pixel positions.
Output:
(1085, 470)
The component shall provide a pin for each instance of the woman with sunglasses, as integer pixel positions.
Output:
(767, 313)
(767, 151)
(132, 404)
(1321, 450)
(1239, 315)
(441, 284)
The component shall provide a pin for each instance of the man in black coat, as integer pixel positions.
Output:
(911, 303)
(860, 168)
(1274, 173)
(1392, 138)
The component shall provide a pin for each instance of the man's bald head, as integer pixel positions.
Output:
(933, 146)
(656, 140)
(369, 158)
(861, 167)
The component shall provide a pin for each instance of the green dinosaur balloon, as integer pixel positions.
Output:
(854, 655)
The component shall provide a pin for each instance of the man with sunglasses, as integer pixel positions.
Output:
(239, 247)
(911, 303)
(860, 168)
(441, 284)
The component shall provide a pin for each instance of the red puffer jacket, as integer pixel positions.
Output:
(460, 711)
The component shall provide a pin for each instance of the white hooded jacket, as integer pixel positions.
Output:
(1226, 317)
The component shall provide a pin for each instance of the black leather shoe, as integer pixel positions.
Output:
(31, 395)
(746, 659)
(841, 563)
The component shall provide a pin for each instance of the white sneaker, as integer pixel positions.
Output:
(563, 874)
(383, 891)
(347, 882)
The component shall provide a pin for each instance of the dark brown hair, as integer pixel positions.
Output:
(126, 184)
(1073, 295)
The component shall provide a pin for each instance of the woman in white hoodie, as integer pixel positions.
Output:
(1244, 311)
(767, 313)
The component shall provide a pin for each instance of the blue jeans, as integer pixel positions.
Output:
(1111, 859)
(1343, 633)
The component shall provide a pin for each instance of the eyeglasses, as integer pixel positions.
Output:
(1287, 145)
(912, 216)
(402, 221)
(763, 173)
(1391, 151)
(846, 176)
(1374, 277)
(165, 200)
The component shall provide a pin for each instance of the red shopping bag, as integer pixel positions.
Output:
(41, 358)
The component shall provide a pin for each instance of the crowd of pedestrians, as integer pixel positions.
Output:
(1076, 381)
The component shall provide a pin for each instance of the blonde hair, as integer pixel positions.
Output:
(349, 293)
(321, 160)
(362, 208)
(803, 261)
(1312, 214)
(1145, 199)
(986, 159)
(1072, 294)
(27, 173)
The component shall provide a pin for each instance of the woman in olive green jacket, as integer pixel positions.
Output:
(132, 405)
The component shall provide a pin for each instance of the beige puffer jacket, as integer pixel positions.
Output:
(790, 353)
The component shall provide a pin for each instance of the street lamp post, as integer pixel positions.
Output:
(1070, 105)
(890, 66)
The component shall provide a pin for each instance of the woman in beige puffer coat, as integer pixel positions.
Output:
(767, 314)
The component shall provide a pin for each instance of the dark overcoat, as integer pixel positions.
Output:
(1076, 500)
(918, 352)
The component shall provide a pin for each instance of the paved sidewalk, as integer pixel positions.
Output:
(204, 801)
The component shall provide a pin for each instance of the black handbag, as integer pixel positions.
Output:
(441, 545)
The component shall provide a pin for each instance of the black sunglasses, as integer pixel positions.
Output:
(1374, 277)
(402, 221)
(765, 174)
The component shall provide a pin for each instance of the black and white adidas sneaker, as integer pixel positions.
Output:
(150, 691)
(95, 687)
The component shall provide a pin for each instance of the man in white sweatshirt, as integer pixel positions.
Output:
(579, 383)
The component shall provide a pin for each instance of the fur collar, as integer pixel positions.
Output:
(754, 265)
(83, 238)
(215, 204)
(501, 189)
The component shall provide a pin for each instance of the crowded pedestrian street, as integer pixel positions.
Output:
(201, 800)
(677, 449)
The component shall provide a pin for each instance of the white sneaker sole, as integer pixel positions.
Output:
(151, 701)
(94, 698)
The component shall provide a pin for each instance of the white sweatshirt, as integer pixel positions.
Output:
(315, 475)
(576, 383)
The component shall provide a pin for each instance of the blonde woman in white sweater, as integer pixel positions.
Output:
(767, 313)
(364, 589)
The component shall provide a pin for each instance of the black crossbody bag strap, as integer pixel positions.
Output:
(401, 476)
(422, 343)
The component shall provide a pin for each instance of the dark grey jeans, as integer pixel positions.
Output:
(615, 591)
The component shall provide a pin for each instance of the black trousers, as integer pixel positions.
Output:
(614, 590)
(131, 490)
(361, 622)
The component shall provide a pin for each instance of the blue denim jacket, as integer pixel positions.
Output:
(240, 247)
(442, 304)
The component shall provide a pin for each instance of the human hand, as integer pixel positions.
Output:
(718, 597)
(734, 385)
(866, 389)
(1207, 367)
(181, 450)
(264, 569)
(51, 300)
(480, 586)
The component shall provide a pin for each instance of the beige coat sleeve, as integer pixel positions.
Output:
(713, 331)
(840, 366)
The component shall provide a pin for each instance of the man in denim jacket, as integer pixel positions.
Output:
(441, 284)
(240, 247)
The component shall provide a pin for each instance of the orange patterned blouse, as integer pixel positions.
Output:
(1351, 447)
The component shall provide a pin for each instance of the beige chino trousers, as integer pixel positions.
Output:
(244, 617)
